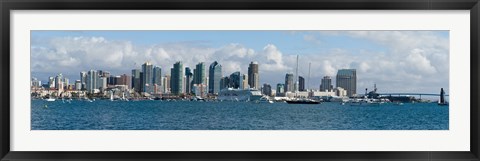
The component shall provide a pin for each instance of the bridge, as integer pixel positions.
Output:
(410, 94)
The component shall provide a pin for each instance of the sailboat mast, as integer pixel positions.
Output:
(308, 80)
(296, 77)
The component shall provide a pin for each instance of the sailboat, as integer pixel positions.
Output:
(111, 96)
(301, 100)
(442, 101)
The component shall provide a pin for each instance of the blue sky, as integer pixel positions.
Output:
(386, 57)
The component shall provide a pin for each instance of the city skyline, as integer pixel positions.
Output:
(421, 68)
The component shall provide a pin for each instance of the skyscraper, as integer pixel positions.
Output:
(301, 83)
(51, 82)
(177, 78)
(267, 89)
(326, 84)
(280, 89)
(83, 80)
(188, 80)
(101, 83)
(147, 79)
(347, 79)
(125, 80)
(199, 74)
(289, 83)
(234, 80)
(91, 82)
(214, 75)
(78, 85)
(253, 76)
(166, 83)
(59, 82)
(224, 82)
(35, 83)
(244, 81)
(157, 76)
(136, 80)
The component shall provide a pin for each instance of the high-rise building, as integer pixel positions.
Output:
(167, 84)
(199, 74)
(111, 80)
(214, 75)
(224, 82)
(51, 82)
(280, 89)
(188, 80)
(253, 76)
(91, 82)
(301, 83)
(267, 89)
(157, 75)
(59, 82)
(347, 79)
(136, 80)
(177, 78)
(289, 86)
(125, 80)
(83, 80)
(326, 84)
(102, 83)
(234, 80)
(78, 85)
(66, 82)
(147, 79)
(244, 81)
(35, 83)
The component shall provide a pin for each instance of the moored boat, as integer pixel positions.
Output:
(303, 101)
(230, 94)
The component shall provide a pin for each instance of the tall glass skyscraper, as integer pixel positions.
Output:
(326, 84)
(136, 83)
(199, 74)
(347, 79)
(289, 87)
(301, 83)
(157, 76)
(235, 80)
(214, 77)
(267, 89)
(92, 77)
(188, 80)
(253, 76)
(83, 80)
(147, 79)
(280, 89)
(177, 78)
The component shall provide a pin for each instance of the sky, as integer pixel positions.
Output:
(396, 61)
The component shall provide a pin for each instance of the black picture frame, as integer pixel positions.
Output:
(9, 5)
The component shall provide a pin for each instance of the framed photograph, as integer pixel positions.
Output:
(239, 80)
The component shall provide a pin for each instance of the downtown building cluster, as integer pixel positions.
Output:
(150, 80)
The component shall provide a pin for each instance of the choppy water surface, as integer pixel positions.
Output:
(187, 115)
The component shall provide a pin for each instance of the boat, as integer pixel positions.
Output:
(442, 101)
(230, 94)
(197, 98)
(303, 101)
(111, 96)
(50, 99)
(371, 98)
(264, 100)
